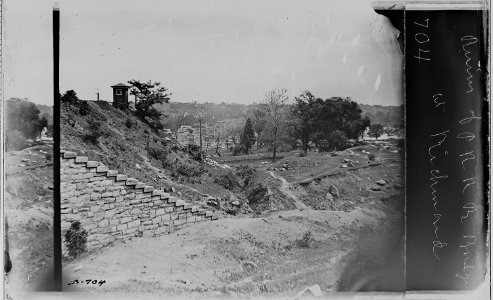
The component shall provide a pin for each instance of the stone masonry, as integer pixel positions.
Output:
(112, 207)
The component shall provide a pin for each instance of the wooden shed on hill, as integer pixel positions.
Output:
(120, 95)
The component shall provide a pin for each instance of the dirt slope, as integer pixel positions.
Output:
(29, 211)
(254, 256)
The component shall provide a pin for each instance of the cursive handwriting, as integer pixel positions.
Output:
(444, 137)
(471, 40)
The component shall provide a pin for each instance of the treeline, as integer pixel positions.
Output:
(327, 124)
(24, 121)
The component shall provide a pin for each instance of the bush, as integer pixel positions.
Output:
(48, 156)
(84, 108)
(307, 241)
(371, 157)
(129, 123)
(194, 152)
(158, 153)
(189, 170)
(227, 180)
(239, 150)
(96, 130)
(76, 239)
(245, 172)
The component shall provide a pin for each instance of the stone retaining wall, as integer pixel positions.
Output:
(112, 207)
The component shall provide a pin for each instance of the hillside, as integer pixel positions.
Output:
(124, 143)
(392, 116)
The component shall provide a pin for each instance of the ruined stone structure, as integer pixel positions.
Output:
(112, 207)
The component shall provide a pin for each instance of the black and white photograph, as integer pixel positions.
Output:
(230, 149)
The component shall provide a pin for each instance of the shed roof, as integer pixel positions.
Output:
(120, 85)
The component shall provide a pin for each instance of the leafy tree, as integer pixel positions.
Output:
(69, 96)
(275, 109)
(303, 114)
(258, 118)
(376, 130)
(24, 116)
(248, 136)
(337, 113)
(147, 94)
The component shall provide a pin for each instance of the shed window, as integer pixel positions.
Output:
(118, 91)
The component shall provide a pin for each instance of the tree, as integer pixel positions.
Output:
(275, 108)
(303, 114)
(147, 94)
(248, 136)
(258, 118)
(337, 113)
(376, 130)
(69, 96)
(24, 116)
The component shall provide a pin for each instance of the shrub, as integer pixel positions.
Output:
(189, 170)
(307, 241)
(239, 150)
(194, 152)
(129, 123)
(96, 130)
(76, 239)
(246, 173)
(371, 157)
(48, 156)
(84, 108)
(158, 153)
(227, 180)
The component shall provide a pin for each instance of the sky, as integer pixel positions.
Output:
(205, 50)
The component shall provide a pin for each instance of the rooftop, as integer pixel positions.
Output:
(121, 85)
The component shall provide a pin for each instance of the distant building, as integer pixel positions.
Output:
(185, 135)
(120, 95)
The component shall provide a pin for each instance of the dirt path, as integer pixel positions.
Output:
(284, 188)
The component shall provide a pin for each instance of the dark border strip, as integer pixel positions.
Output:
(57, 234)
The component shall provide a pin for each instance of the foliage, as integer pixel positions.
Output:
(371, 157)
(248, 136)
(303, 112)
(96, 129)
(23, 117)
(227, 180)
(76, 239)
(69, 96)
(337, 113)
(239, 150)
(275, 114)
(189, 170)
(147, 95)
(337, 140)
(158, 153)
(246, 173)
(83, 107)
(194, 152)
(129, 123)
(376, 130)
